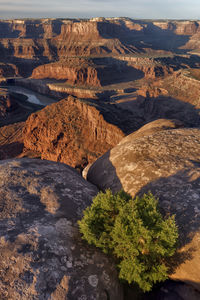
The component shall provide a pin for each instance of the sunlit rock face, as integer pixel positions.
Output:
(167, 162)
(41, 253)
(71, 131)
(54, 38)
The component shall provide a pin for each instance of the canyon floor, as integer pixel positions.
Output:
(99, 83)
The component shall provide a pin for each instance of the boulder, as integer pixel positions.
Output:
(153, 127)
(166, 162)
(42, 255)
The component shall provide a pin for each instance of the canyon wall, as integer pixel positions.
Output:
(72, 70)
(54, 38)
(95, 72)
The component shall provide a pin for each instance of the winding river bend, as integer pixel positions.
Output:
(33, 97)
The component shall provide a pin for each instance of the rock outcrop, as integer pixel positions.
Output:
(74, 71)
(167, 163)
(96, 72)
(70, 131)
(184, 86)
(42, 255)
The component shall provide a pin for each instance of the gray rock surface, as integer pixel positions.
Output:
(41, 253)
(166, 162)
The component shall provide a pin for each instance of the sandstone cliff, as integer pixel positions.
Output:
(51, 39)
(184, 86)
(70, 131)
(73, 74)
(93, 72)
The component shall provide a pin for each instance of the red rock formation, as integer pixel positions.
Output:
(149, 66)
(47, 40)
(179, 27)
(75, 71)
(183, 85)
(70, 131)
(151, 91)
(153, 70)
(95, 72)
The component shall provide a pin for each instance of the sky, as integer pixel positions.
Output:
(140, 9)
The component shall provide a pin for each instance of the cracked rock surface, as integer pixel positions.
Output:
(41, 253)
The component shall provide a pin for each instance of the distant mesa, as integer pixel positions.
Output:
(50, 39)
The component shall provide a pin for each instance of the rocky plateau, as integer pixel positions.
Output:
(42, 254)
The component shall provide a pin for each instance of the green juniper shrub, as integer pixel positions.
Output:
(99, 219)
(134, 232)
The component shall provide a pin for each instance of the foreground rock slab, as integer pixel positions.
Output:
(166, 162)
(41, 253)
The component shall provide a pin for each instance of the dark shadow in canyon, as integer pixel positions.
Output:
(26, 66)
(149, 37)
(180, 62)
(164, 39)
(30, 28)
(147, 109)
(113, 71)
(168, 290)
(10, 150)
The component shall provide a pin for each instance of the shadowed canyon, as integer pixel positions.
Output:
(85, 105)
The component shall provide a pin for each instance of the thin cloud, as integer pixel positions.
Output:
(92, 8)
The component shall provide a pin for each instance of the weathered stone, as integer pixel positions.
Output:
(166, 162)
(70, 131)
(41, 253)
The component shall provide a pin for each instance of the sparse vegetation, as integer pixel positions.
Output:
(134, 232)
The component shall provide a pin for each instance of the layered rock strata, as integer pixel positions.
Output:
(55, 38)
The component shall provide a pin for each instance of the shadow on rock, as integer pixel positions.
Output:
(147, 109)
(103, 168)
(178, 195)
(11, 150)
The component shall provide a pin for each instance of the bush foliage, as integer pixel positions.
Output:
(134, 232)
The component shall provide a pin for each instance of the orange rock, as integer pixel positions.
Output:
(70, 131)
